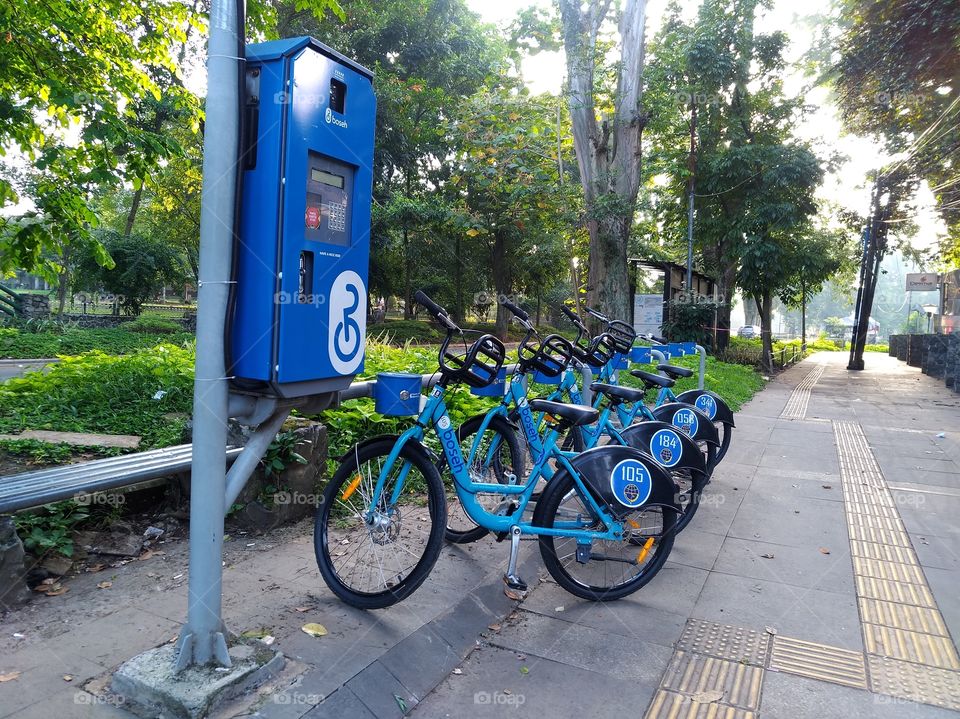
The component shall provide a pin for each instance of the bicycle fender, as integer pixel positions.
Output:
(669, 446)
(392, 438)
(710, 403)
(694, 423)
(624, 479)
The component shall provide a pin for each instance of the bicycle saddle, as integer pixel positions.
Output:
(572, 414)
(674, 371)
(618, 393)
(653, 380)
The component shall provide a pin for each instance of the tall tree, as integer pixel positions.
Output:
(606, 134)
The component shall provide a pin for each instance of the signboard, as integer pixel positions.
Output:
(923, 282)
(648, 314)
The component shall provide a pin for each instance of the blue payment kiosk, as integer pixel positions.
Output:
(300, 299)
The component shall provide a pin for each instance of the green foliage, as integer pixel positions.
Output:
(281, 453)
(49, 529)
(402, 331)
(36, 451)
(19, 344)
(142, 267)
(96, 392)
(153, 325)
(735, 382)
(689, 322)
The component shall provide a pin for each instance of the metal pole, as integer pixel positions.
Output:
(703, 365)
(202, 639)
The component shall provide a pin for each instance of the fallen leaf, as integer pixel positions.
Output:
(57, 592)
(507, 691)
(767, 555)
(558, 609)
(104, 585)
(458, 671)
(826, 486)
(48, 581)
(174, 638)
(514, 594)
(9, 676)
(314, 629)
(770, 630)
(96, 567)
(824, 550)
(524, 670)
(495, 627)
(150, 553)
(68, 677)
(302, 609)
(707, 697)
(400, 703)
(254, 634)
(268, 640)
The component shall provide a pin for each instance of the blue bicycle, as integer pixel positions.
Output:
(605, 521)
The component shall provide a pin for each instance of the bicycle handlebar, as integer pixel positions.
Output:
(596, 313)
(518, 313)
(436, 310)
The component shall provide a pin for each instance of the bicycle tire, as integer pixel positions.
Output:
(350, 474)
(726, 432)
(544, 516)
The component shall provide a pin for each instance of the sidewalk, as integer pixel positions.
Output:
(820, 578)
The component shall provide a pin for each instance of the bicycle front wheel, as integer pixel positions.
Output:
(612, 569)
(375, 553)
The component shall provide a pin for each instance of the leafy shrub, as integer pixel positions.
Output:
(97, 392)
(153, 325)
(48, 529)
(18, 344)
(398, 332)
(688, 321)
(736, 383)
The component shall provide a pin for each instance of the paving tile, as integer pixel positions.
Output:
(818, 661)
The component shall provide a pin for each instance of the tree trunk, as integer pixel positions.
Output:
(608, 153)
(725, 288)
(407, 282)
(803, 316)
(502, 283)
(134, 208)
(63, 286)
(765, 305)
(458, 309)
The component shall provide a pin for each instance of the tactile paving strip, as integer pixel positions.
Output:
(902, 616)
(724, 641)
(818, 661)
(670, 705)
(908, 648)
(928, 685)
(796, 407)
(927, 649)
(692, 674)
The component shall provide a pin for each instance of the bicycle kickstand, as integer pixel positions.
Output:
(510, 578)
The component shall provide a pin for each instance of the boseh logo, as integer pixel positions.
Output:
(451, 447)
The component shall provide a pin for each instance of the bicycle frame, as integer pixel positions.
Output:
(435, 414)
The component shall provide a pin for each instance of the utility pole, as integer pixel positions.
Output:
(203, 637)
(692, 167)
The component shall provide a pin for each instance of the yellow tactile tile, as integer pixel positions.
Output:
(915, 594)
(902, 616)
(891, 571)
(879, 536)
(670, 705)
(691, 674)
(884, 552)
(874, 522)
(929, 685)
(818, 661)
(927, 649)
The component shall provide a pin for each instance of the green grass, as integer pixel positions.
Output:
(16, 343)
(736, 383)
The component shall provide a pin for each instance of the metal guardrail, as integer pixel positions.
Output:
(42, 486)
(796, 353)
(10, 302)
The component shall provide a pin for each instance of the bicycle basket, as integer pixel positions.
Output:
(479, 366)
(597, 352)
(622, 335)
(549, 358)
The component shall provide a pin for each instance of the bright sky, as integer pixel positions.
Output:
(848, 187)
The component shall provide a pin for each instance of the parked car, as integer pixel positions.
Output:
(748, 332)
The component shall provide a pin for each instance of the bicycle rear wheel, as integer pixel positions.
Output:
(375, 555)
(726, 433)
(613, 569)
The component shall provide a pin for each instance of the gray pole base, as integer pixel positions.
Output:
(150, 685)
